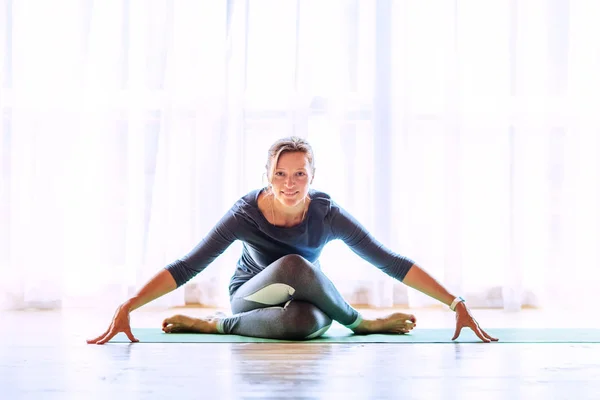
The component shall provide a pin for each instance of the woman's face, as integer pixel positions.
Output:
(291, 178)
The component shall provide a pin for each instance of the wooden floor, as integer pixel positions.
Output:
(43, 355)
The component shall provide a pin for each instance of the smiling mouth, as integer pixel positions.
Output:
(289, 193)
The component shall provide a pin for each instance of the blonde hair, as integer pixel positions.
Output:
(289, 144)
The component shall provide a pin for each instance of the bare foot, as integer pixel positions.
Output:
(393, 323)
(184, 324)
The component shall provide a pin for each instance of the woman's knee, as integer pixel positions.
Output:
(305, 320)
(295, 266)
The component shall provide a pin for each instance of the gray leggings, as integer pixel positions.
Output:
(290, 299)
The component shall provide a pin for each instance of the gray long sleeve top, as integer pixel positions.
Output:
(264, 243)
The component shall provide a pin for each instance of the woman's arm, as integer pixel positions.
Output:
(176, 274)
(348, 229)
(420, 280)
(173, 276)
(161, 284)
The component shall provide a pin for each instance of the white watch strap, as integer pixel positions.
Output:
(455, 302)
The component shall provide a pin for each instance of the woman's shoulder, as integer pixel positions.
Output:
(325, 199)
(318, 195)
(247, 202)
(321, 205)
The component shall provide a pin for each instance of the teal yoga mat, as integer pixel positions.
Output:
(342, 335)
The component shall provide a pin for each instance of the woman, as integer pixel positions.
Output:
(278, 290)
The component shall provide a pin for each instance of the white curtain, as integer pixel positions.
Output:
(463, 134)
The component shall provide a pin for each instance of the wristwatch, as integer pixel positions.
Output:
(455, 302)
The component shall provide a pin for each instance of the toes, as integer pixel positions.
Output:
(410, 318)
(171, 329)
(408, 326)
(172, 320)
(406, 317)
(167, 323)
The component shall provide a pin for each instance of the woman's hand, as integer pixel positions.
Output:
(120, 323)
(465, 319)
